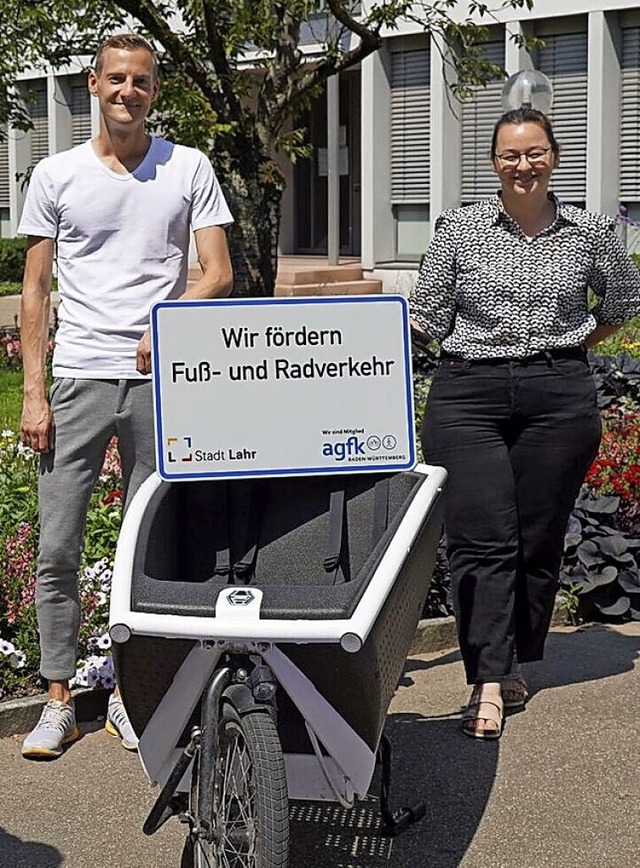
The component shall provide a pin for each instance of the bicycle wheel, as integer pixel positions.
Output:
(250, 816)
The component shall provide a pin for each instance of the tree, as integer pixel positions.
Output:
(236, 80)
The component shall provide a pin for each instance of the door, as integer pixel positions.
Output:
(310, 175)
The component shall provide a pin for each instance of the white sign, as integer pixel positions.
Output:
(280, 386)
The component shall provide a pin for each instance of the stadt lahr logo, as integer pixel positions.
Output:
(187, 443)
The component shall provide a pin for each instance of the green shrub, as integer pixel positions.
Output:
(14, 287)
(10, 287)
(12, 256)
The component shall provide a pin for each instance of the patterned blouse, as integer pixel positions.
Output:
(485, 290)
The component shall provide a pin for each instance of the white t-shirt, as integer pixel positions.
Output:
(122, 244)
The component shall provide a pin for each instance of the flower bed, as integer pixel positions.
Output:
(601, 570)
(616, 470)
(19, 648)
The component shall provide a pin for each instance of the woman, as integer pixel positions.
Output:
(512, 410)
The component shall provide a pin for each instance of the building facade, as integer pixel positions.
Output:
(407, 148)
(428, 152)
(63, 115)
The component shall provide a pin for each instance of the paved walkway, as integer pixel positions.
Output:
(10, 310)
(561, 789)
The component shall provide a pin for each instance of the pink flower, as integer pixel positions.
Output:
(20, 570)
(111, 465)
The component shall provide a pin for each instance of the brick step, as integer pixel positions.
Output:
(294, 274)
(352, 287)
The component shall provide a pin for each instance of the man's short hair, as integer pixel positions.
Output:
(127, 42)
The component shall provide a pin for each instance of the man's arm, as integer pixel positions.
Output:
(216, 280)
(214, 260)
(36, 426)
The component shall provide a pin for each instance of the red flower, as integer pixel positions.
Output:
(113, 497)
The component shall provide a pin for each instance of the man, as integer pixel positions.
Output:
(117, 210)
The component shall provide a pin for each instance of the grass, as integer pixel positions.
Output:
(10, 399)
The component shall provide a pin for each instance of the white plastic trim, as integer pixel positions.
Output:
(354, 758)
(161, 734)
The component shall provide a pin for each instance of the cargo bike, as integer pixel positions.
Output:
(260, 626)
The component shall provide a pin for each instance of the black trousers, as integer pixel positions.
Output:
(517, 438)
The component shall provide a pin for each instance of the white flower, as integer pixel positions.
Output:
(80, 678)
(25, 452)
(7, 434)
(101, 599)
(95, 671)
(6, 648)
(104, 641)
(17, 660)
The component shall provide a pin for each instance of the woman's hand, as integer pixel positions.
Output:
(600, 333)
(419, 337)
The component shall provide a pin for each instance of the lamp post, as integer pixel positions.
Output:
(527, 89)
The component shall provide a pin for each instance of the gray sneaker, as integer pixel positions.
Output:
(119, 725)
(56, 727)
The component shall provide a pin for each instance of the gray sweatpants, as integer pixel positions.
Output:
(87, 413)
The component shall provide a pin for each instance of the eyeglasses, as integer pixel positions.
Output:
(534, 157)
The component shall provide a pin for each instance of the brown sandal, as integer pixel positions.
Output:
(515, 693)
(487, 711)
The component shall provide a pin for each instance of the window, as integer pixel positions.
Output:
(479, 116)
(564, 60)
(37, 108)
(80, 110)
(410, 154)
(4, 172)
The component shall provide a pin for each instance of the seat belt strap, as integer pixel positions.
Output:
(380, 509)
(336, 528)
(250, 505)
(221, 541)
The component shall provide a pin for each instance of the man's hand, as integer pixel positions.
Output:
(143, 354)
(36, 425)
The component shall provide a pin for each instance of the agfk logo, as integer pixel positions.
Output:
(340, 450)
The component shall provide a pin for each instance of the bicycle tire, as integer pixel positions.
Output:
(250, 816)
